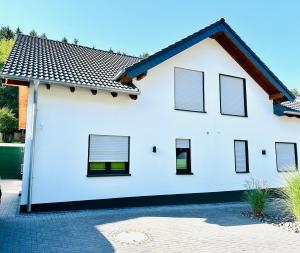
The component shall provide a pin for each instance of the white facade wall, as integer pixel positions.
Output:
(66, 119)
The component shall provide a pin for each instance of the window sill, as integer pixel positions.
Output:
(184, 173)
(109, 175)
(184, 110)
(233, 115)
(287, 171)
(246, 172)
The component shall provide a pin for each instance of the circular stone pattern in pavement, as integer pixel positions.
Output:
(130, 237)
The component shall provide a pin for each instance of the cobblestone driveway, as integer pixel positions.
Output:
(189, 228)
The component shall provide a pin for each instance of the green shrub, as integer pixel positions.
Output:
(8, 121)
(291, 194)
(256, 195)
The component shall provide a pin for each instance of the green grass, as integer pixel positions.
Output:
(257, 196)
(291, 194)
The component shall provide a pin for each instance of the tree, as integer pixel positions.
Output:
(8, 121)
(6, 33)
(8, 124)
(75, 41)
(18, 31)
(33, 33)
(144, 55)
(5, 48)
(64, 40)
(43, 36)
(8, 94)
(295, 91)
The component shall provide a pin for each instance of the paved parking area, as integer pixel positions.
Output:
(188, 228)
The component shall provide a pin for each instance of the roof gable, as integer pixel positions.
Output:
(232, 43)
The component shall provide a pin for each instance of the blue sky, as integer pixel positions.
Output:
(270, 28)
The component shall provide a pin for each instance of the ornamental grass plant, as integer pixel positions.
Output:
(291, 194)
(256, 195)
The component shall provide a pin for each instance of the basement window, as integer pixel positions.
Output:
(108, 155)
(183, 157)
(189, 90)
(233, 96)
(286, 156)
(241, 156)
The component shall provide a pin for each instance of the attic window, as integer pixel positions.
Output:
(189, 90)
(233, 96)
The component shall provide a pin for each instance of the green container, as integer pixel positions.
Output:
(11, 160)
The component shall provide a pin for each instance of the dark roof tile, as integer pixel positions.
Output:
(48, 60)
(293, 105)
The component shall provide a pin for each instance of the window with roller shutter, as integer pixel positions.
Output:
(233, 99)
(286, 156)
(183, 157)
(241, 156)
(108, 155)
(189, 90)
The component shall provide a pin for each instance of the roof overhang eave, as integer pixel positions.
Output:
(26, 79)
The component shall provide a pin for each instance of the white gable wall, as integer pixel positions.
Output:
(66, 119)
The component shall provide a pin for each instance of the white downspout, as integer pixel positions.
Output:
(32, 140)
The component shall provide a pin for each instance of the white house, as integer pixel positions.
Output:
(188, 124)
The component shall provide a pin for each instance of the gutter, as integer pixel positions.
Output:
(32, 141)
(292, 113)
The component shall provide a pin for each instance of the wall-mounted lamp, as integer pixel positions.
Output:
(154, 149)
(263, 152)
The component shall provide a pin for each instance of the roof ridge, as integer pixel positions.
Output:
(81, 46)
